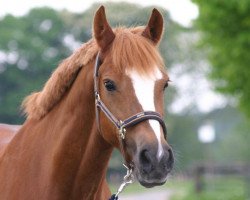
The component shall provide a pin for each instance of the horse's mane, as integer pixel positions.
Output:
(40, 103)
(129, 49)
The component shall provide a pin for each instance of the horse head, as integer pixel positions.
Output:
(130, 81)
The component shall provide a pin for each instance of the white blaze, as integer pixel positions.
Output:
(144, 91)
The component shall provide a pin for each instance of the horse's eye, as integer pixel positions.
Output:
(110, 85)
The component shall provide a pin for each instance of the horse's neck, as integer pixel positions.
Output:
(82, 154)
(92, 174)
(65, 152)
(80, 170)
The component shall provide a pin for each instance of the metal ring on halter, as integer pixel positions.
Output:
(122, 130)
(127, 179)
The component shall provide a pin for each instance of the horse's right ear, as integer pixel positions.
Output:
(154, 28)
(102, 31)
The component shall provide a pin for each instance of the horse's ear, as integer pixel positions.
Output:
(102, 30)
(154, 28)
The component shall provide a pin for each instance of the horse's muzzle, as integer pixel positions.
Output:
(152, 171)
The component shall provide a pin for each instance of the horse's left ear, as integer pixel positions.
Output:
(154, 28)
(102, 31)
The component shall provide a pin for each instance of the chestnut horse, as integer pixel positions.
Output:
(63, 148)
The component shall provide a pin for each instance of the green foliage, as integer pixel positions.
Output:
(31, 46)
(225, 29)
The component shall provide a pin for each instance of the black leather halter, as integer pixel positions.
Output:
(121, 125)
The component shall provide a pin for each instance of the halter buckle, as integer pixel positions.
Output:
(97, 96)
(122, 130)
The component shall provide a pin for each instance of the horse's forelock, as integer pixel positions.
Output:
(131, 50)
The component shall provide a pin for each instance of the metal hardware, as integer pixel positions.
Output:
(128, 179)
(122, 132)
(97, 96)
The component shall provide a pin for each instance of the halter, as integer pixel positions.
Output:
(122, 125)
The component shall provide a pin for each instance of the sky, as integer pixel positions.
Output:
(181, 11)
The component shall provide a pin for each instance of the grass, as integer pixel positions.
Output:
(220, 188)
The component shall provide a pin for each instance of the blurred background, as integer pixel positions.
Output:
(206, 47)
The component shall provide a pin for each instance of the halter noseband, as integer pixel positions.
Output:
(129, 122)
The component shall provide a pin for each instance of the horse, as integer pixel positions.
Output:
(108, 94)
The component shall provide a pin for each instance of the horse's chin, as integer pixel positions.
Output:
(150, 185)
(149, 182)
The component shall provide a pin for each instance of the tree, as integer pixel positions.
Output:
(225, 35)
(30, 47)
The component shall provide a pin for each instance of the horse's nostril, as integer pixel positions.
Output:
(146, 161)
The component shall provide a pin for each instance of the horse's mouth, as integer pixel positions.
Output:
(150, 180)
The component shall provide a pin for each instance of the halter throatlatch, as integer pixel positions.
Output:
(122, 125)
